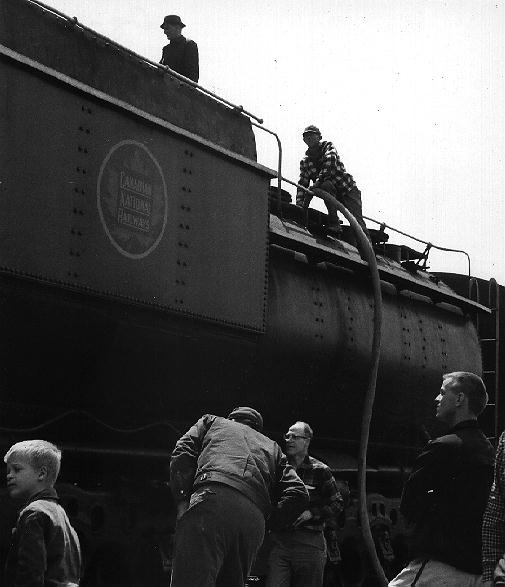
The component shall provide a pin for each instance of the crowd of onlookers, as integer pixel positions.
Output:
(228, 478)
(235, 489)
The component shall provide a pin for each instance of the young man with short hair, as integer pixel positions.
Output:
(447, 491)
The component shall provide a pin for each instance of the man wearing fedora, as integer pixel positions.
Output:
(227, 478)
(180, 54)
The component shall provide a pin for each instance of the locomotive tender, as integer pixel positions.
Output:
(146, 279)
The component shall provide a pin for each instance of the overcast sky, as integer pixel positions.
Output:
(410, 91)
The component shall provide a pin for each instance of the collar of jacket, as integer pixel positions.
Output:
(49, 494)
(180, 39)
(306, 464)
(323, 147)
(465, 424)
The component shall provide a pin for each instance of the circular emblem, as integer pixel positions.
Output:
(132, 199)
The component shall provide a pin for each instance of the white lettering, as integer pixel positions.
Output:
(136, 185)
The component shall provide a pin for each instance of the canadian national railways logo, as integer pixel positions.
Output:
(132, 199)
(135, 201)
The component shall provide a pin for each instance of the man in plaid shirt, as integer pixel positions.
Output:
(493, 524)
(298, 554)
(323, 167)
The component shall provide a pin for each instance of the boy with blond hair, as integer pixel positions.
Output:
(45, 548)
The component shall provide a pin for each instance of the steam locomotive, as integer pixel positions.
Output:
(149, 274)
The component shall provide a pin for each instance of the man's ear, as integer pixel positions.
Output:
(461, 399)
(42, 476)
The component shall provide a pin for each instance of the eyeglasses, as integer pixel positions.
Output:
(290, 436)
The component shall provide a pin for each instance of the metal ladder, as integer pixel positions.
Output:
(488, 329)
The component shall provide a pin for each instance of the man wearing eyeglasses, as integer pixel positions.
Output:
(298, 554)
(226, 478)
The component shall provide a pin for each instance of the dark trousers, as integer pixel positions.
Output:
(217, 539)
(351, 200)
(292, 564)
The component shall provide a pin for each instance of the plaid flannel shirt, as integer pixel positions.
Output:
(325, 499)
(326, 167)
(493, 524)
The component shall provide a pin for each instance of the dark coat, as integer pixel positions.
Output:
(218, 450)
(181, 55)
(45, 548)
(446, 494)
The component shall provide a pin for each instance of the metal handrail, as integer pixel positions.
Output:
(493, 301)
(72, 21)
(279, 161)
(474, 290)
(429, 245)
(383, 226)
(494, 304)
(240, 109)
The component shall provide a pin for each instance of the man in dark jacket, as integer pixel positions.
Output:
(322, 166)
(447, 491)
(226, 478)
(180, 54)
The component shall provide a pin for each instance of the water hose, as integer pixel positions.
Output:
(366, 250)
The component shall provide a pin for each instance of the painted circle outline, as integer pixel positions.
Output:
(99, 206)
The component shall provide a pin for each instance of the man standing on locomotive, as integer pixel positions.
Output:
(447, 491)
(323, 167)
(225, 477)
(180, 54)
(298, 553)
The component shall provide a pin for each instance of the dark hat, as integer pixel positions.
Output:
(311, 128)
(172, 19)
(247, 416)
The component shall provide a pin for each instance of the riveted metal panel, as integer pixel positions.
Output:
(317, 352)
(38, 33)
(96, 198)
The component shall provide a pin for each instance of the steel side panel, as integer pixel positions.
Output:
(95, 198)
(37, 33)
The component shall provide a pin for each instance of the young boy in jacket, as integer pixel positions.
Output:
(45, 548)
